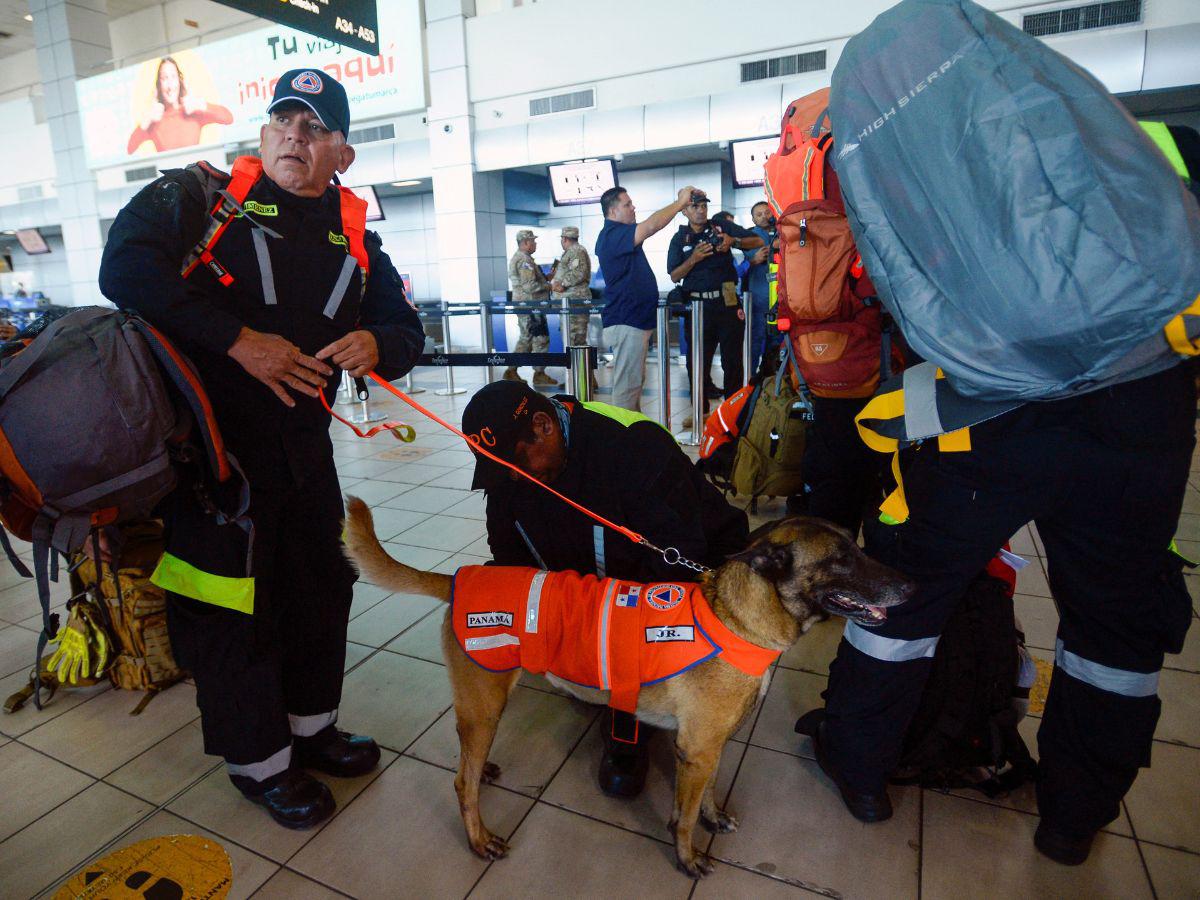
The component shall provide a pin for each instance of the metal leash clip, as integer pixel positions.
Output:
(672, 557)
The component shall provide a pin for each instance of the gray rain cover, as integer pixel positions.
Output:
(1023, 230)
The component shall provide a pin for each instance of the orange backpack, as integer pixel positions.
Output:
(836, 334)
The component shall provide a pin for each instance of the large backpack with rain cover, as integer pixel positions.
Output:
(95, 415)
(1029, 238)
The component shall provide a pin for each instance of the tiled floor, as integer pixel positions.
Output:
(83, 778)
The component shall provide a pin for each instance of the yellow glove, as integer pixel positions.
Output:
(98, 642)
(70, 660)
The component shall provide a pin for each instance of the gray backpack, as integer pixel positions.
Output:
(95, 413)
(1026, 234)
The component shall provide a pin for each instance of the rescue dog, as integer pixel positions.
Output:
(792, 571)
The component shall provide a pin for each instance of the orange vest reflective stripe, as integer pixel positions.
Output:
(600, 633)
(246, 172)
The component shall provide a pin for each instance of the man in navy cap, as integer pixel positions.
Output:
(267, 278)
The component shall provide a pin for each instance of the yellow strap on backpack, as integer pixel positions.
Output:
(1176, 331)
(889, 407)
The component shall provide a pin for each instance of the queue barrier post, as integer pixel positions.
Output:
(449, 390)
(364, 416)
(579, 375)
(696, 349)
(663, 338)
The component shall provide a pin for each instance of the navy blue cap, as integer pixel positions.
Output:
(324, 95)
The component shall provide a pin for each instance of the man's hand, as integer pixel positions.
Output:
(726, 243)
(759, 257)
(684, 197)
(8, 331)
(556, 286)
(703, 249)
(278, 363)
(357, 353)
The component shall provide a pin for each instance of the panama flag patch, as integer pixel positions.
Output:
(628, 596)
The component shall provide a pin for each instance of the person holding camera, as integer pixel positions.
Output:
(699, 257)
(763, 339)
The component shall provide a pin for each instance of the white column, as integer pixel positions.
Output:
(72, 40)
(468, 205)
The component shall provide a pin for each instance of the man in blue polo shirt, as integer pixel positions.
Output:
(631, 290)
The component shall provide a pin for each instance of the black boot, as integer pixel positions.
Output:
(1067, 849)
(864, 806)
(336, 753)
(623, 766)
(293, 798)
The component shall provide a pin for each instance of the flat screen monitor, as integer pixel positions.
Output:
(748, 158)
(577, 183)
(374, 210)
(31, 241)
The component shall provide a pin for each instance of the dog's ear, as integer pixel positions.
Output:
(771, 561)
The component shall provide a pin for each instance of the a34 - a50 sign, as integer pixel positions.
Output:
(354, 23)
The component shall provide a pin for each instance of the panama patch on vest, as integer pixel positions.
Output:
(663, 634)
(490, 620)
(308, 83)
(339, 239)
(665, 596)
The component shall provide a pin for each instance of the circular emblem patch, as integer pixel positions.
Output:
(308, 83)
(665, 596)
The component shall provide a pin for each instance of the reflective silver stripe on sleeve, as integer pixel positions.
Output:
(888, 649)
(1115, 681)
(921, 418)
(264, 266)
(533, 605)
(339, 289)
(277, 762)
(605, 615)
(598, 548)
(492, 641)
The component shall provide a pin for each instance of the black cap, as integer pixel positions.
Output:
(698, 197)
(496, 417)
(324, 95)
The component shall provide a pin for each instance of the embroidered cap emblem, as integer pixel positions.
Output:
(308, 83)
(665, 596)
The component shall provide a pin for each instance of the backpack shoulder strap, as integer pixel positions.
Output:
(354, 225)
(226, 193)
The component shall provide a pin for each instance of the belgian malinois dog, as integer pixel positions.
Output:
(792, 573)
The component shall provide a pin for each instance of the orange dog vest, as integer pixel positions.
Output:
(596, 632)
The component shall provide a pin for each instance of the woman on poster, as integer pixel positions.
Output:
(175, 119)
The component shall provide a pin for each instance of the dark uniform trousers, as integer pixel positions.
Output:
(1103, 478)
(253, 673)
(723, 328)
(842, 475)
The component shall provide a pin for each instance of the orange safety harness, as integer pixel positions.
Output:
(246, 172)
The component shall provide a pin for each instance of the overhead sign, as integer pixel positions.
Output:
(218, 93)
(350, 22)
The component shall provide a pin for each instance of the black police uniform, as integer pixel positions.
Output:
(634, 475)
(1103, 477)
(722, 324)
(286, 659)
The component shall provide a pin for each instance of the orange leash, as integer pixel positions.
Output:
(474, 445)
(400, 430)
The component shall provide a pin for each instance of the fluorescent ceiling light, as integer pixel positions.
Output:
(405, 183)
(28, 18)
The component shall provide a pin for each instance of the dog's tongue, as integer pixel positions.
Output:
(878, 611)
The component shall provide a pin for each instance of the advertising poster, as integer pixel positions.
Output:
(218, 93)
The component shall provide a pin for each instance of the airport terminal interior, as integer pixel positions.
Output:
(485, 134)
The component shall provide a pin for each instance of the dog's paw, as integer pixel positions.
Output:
(697, 867)
(491, 846)
(723, 824)
(491, 772)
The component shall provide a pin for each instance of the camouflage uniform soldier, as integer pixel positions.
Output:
(528, 283)
(570, 279)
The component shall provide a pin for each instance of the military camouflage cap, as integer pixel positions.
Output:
(571, 232)
(525, 235)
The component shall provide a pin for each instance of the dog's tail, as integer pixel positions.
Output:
(365, 551)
